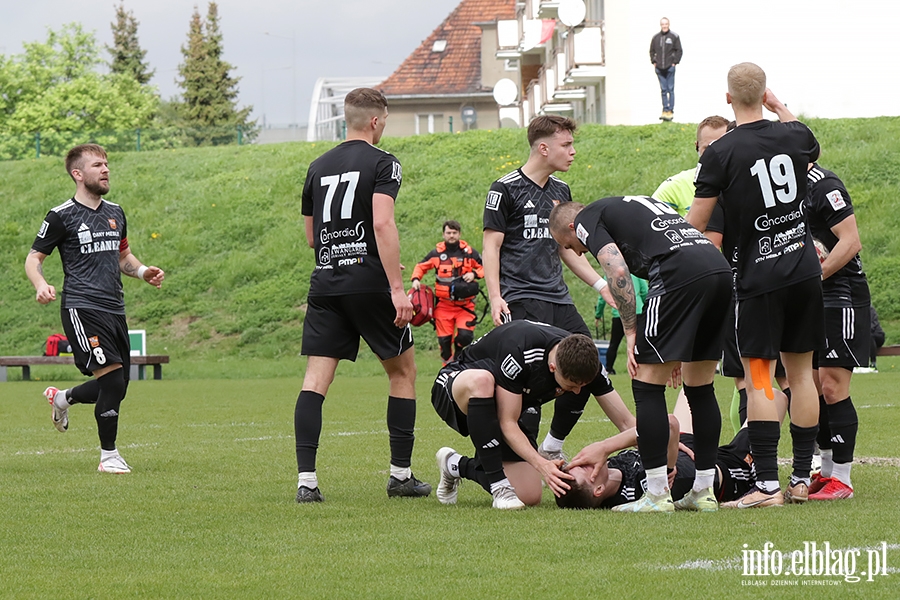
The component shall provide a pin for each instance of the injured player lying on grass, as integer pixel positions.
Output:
(616, 482)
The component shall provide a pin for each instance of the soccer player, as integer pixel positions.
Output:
(457, 265)
(605, 481)
(681, 328)
(492, 392)
(759, 168)
(522, 268)
(92, 236)
(678, 190)
(356, 289)
(847, 329)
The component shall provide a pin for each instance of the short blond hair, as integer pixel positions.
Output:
(746, 84)
(361, 105)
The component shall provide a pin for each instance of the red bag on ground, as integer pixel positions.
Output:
(56, 344)
(423, 305)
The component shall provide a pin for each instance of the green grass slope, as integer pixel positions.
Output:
(225, 224)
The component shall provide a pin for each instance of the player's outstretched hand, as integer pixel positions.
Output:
(555, 478)
(593, 455)
(500, 312)
(154, 276)
(403, 306)
(46, 294)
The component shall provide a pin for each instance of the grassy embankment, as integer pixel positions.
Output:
(225, 224)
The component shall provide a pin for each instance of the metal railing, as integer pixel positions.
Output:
(57, 143)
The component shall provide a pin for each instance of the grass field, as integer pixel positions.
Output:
(225, 224)
(209, 510)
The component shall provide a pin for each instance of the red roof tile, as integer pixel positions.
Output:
(456, 70)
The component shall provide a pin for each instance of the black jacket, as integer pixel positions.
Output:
(665, 49)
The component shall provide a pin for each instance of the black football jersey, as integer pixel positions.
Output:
(530, 266)
(827, 204)
(337, 194)
(759, 169)
(516, 353)
(90, 242)
(634, 479)
(656, 243)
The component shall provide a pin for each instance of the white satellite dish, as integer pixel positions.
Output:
(505, 92)
(572, 12)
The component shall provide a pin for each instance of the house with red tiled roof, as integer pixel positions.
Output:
(446, 83)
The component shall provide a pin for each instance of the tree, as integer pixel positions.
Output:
(209, 91)
(54, 90)
(127, 55)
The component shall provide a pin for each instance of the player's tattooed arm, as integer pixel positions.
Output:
(620, 284)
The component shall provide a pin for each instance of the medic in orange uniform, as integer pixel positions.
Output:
(458, 265)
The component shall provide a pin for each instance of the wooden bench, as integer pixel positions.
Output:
(889, 351)
(138, 364)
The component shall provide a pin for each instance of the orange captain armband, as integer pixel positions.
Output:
(762, 376)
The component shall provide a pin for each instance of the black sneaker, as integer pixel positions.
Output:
(411, 488)
(305, 495)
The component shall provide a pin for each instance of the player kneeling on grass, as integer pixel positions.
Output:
(493, 392)
(604, 481)
(91, 234)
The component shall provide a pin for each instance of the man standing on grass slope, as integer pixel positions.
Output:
(682, 326)
(92, 236)
(760, 170)
(356, 289)
(522, 267)
(457, 266)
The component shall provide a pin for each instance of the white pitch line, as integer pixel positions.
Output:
(74, 450)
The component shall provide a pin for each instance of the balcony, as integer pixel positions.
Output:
(585, 53)
(509, 33)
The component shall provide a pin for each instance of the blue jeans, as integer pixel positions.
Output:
(667, 87)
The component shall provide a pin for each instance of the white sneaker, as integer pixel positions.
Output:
(60, 415)
(449, 486)
(505, 498)
(114, 464)
(552, 454)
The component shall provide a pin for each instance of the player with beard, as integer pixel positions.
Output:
(92, 237)
(457, 266)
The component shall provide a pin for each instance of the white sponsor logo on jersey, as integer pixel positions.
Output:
(836, 200)
(358, 231)
(531, 221)
(582, 234)
(764, 222)
(396, 172)
(84, 235)
(697, 172)
(43, 230)
(493, 200)
(510, 367)
(529, 204)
